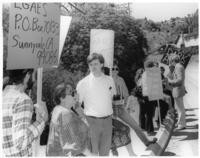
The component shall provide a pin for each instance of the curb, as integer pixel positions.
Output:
(164, 134)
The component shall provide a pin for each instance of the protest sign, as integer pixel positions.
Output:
(33, 40)
(154, 83)
(102, 42)
(171, 50)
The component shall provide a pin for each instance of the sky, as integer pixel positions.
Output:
(162, 11)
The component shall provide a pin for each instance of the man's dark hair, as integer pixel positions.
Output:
(17, 76)
(95, 56)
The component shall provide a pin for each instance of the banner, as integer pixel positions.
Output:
(170, 50)
(33, 40)
(154, 83)
(102, 42)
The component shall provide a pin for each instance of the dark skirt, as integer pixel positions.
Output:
(120, 134)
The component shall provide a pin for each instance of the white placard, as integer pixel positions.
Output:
(154, 83)
(102, 41)
(33, 40)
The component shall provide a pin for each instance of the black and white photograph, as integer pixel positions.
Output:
(99, 78)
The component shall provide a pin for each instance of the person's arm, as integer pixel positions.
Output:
(128, 103)
(112, 87)
(79, 102)
(24, 131)
(179, 77)
(124, 90)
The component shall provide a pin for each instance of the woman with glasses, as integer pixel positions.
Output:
(119, 107)
(120, 132)
(69, 135)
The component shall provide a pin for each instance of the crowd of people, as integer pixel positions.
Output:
(93, 118)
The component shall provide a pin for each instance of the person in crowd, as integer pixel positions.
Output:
(148, 105)
(178, 90)
(69, 134)
(121, 137)
(166, 102)
(120, 84)
(96, 91)
(162, 70)
(121, 132)
(120, 111)
(19, 132)
(167, 86)
(167, 89)
(133, 106)
(171, 71)
(140, 98)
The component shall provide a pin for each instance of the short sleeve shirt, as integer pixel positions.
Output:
(97, 94)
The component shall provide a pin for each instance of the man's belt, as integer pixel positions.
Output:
(105, 117)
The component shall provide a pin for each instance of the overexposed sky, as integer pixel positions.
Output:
(162, 11)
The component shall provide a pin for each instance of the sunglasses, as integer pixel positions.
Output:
(113, 69)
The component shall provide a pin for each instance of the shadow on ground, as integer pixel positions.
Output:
(189, 135)
(191, 109)
(191, 115)
(190, 120)
(167, 153)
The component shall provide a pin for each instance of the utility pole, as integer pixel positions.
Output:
(129, 9)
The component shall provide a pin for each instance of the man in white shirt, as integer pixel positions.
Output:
(96, 92)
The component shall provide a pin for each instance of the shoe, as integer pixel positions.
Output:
(154, 140)
(181, 127)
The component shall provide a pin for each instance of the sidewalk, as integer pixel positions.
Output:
(185, 142)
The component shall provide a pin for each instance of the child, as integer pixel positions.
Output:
(133, 106)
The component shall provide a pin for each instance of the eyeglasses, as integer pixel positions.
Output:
(113, 69)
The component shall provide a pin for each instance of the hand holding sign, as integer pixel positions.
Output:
(41, 111)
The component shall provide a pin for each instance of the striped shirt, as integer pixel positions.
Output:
(18, 130)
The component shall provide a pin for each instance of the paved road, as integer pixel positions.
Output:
(185, 142)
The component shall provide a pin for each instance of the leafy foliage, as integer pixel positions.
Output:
(129, 39)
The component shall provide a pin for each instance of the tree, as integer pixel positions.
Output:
(129, 39)
(192, 22)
